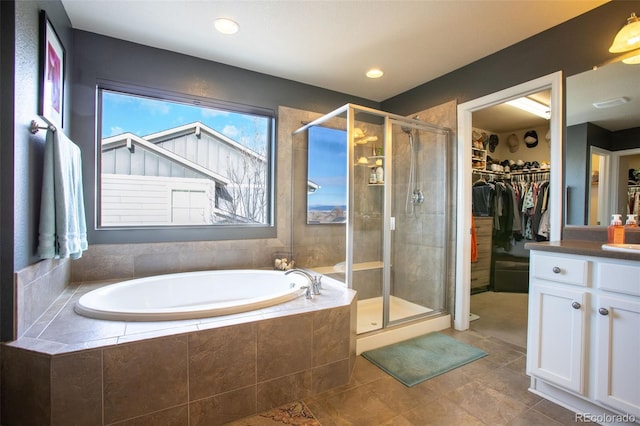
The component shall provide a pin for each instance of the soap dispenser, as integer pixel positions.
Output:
(631, 221)
(616, 230)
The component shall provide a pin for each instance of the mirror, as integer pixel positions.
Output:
(327, 176)
(603, 129)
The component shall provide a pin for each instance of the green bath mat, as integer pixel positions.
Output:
(421, 358)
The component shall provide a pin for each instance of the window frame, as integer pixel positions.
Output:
(195, 232)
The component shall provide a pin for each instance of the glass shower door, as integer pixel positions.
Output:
(366, 224)
(417, 245)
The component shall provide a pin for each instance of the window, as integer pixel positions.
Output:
(166, 162)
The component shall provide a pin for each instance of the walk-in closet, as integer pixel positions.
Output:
(510, 202)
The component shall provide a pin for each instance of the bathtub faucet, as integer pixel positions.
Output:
(315, 283)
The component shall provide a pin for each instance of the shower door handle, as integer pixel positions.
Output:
(392, 223)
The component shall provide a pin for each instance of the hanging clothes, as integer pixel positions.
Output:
(482, 195)
(519, 207)
(633, 205)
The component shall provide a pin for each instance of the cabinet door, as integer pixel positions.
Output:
(555, 350)
(618, 346)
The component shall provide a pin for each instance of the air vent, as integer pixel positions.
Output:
(610, 103)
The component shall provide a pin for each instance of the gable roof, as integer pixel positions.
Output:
(197, 128)
(130, 140)
(151, 142)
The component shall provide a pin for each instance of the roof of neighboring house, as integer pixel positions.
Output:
(197, 127)
(151, 142)
(312, 186)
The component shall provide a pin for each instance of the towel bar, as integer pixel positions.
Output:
(35, 127)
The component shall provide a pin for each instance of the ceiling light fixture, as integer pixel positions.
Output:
(628, 38)
(532, 107)
(226, 26)
(375, 73)
(632, 60)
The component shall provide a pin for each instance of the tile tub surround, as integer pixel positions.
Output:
(36, 287)
(69, 369)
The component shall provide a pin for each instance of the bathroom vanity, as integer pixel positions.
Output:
(584, 329)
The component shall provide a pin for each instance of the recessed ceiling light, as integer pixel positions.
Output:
(226, 26)
(375, 73)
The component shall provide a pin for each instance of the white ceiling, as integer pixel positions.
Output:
(609, 82)
(331, 43)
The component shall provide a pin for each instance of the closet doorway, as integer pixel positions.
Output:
(551, 83)
(510, 183)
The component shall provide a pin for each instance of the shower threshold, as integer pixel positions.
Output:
(370, 312)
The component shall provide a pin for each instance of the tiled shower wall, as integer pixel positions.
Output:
(424, 257)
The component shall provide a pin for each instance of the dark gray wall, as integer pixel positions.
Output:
(577, 152)
(625, 139)
(573, 47)
(103, 58)
(7, 46)
(29, 148)
(21, 152)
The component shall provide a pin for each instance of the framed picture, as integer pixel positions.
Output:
(52, 68)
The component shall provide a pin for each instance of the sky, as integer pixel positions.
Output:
(142, 116)
(328, 166)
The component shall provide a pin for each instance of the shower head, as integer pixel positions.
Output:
(406, 129)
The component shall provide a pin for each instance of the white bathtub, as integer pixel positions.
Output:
(190, 295)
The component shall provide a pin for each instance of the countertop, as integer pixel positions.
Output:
(581, 247)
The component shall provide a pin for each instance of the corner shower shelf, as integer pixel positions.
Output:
(339, 268)
(374, 166)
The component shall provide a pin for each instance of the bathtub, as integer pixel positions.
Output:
(190, 295)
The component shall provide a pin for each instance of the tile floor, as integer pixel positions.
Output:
(490, 391)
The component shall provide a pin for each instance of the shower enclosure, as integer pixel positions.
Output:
(374, 188)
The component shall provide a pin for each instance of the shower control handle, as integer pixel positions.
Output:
(417, 197)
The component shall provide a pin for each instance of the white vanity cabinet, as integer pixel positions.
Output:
(617, 336)
(583, 342)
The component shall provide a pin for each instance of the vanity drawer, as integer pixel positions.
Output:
(619, 278)
(560, 269)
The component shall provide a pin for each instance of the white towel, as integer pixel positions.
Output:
(63, 227)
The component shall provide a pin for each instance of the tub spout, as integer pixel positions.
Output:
(314, 282)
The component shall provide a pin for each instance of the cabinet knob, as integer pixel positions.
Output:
(576, 305)
(603, 311)
(556, 270)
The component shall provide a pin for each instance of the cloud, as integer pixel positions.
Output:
(208, 112)
(116, 130)
(154, 107)
(231, 131)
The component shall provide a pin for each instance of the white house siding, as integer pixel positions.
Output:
(143, 163)
(147, 200)
(205, 151)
